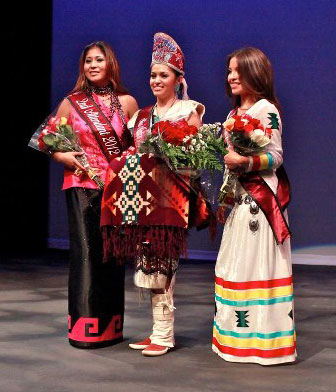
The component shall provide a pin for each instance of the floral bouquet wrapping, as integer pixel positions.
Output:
(58, 136)
(248, 137)
(184, 147)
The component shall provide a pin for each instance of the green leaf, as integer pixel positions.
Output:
(50, 139)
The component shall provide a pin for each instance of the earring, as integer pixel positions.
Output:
(177, 88)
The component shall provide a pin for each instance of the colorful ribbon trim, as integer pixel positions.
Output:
(262, 284)
(248, 352)
(254, 302)
(254, 294)
(259, 335)
(262, 162)
(254, 342)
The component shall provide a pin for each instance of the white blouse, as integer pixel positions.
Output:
(181, 109)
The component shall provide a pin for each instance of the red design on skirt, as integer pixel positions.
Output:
(90, 325)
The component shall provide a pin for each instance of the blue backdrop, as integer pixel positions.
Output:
(297, 35)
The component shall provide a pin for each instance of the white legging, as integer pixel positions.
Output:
(163, 316)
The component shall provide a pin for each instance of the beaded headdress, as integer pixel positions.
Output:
(166, 51)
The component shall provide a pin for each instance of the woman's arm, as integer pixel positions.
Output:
(195, 120)
(64, 109)
(128, 104)
(68, 159)
(272, 158)
(197, 112)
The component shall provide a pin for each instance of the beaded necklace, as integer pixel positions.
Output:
(114, 100)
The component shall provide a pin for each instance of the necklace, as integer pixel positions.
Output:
(105, 90)
(115, 104)
(170, 106)
(248, 107)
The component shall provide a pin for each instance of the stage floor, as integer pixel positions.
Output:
(35, 355)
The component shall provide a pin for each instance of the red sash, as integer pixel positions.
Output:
(101, 127)
(144, 114)
(273, 206)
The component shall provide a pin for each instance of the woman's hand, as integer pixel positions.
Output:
(68, 159)
(235, 161)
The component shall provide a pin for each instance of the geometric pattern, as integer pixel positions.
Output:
(274, 121)
(141, 190)
(241, 318)
(130, 201)
(166, 51)
(269, 331)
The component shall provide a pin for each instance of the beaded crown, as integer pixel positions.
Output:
(166, 51)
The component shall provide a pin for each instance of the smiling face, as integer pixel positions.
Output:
(95, 67)
(237, 88)
(163, 81)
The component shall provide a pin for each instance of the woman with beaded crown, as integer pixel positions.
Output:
(98, 109)
(254, 320)
(146, 206)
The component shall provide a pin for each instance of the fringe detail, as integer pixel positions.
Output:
(152, 243)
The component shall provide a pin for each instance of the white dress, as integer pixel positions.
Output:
(254, 320)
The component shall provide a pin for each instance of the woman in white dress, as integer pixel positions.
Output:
(254, 320)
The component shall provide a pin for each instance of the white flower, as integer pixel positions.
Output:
(183, 148)
(191, 148)
(203, 148)
(200, 135)
(258, 136)
(169, 145)
(198, 147)
(193, 142)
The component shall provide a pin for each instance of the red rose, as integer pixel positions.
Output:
(53, 122)
(255, 122)
(40, 143)
(47, 129)
(174, 132)
(161, 127)
(248, 128)
(239, 125)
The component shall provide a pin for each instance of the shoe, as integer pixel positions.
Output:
(154, 350)
(140, 345)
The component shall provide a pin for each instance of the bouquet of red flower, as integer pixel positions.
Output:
(58, 136)
(248, 137)
(183, 146)
(247, 134)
